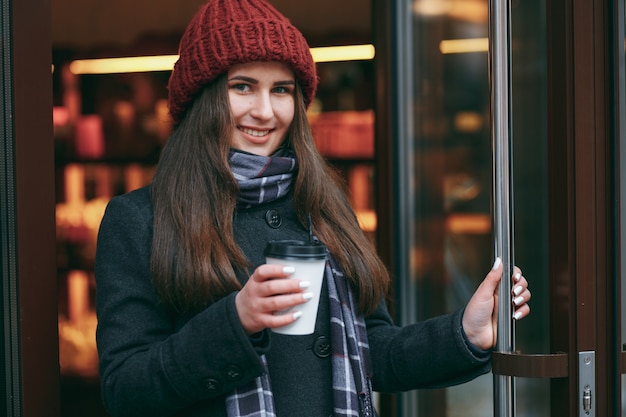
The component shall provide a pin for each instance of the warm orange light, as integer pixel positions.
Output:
(343, 53)
(462, 46)
(166, 62)
(123, 65)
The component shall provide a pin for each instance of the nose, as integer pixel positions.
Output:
(262, 106)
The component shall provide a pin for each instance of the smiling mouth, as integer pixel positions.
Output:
(256, 133)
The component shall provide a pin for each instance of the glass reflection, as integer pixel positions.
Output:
(452, 239)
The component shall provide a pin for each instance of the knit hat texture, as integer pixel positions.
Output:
(228, 32)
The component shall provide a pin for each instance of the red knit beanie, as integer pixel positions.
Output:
(228, 32)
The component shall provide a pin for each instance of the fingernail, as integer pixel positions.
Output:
(307, 295)
(518, 276)
(306, 284)
(518, 290)
(518, 301)
(497, 263)
(289, 269)
(297, 315)
(517, 315)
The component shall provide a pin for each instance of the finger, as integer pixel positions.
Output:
(519, 287)
(282, 286)
(522, 298)
(280, 303)
(271, 271)
(282, 309)
(280, 320)
(521, 312)
(270, 280)
(517, 274)
(257, 312)
(520, 280)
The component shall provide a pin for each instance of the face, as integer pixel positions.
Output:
(261, 96)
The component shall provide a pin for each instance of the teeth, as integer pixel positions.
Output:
(257, 133)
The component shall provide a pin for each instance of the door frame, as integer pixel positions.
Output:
(582, 176)
(30, 366)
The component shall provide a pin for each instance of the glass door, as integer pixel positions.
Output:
(437, 234)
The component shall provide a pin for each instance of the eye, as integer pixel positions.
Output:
(283, 89)
(242, 87)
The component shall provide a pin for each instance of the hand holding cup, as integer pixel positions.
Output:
(279, 293)
(266, 292)
(308, 259)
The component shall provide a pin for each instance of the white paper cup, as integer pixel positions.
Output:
(308, 259)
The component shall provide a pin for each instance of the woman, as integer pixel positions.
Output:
(185, 301)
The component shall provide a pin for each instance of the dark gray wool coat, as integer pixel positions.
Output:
(154, 363)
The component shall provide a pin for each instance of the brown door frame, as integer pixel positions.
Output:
(581, 205)
(30, 334)
(385, 132)
(619, 22)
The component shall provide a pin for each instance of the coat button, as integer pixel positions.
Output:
(273, 219)
(233, 372)
(321, 347)
(212, 385)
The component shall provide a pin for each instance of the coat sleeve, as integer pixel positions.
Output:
(429, 354)
(149, 364)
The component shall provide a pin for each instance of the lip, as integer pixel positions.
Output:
(256, 133)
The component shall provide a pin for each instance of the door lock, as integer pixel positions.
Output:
(587, 400)
(586, 383)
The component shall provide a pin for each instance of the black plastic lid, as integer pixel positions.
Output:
(295, 249)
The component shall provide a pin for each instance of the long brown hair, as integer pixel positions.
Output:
(194, 253)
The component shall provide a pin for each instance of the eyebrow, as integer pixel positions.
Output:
(255, 81)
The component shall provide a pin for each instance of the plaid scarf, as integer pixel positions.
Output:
(262, 178)
(352, 371)
(351, 368)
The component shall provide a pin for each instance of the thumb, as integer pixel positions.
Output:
(479, 320)
(487, 289)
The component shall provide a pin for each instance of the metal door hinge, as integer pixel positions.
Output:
(586, 383)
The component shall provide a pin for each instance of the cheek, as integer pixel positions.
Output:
(286, 112)
(289, 117)
(237, 105)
